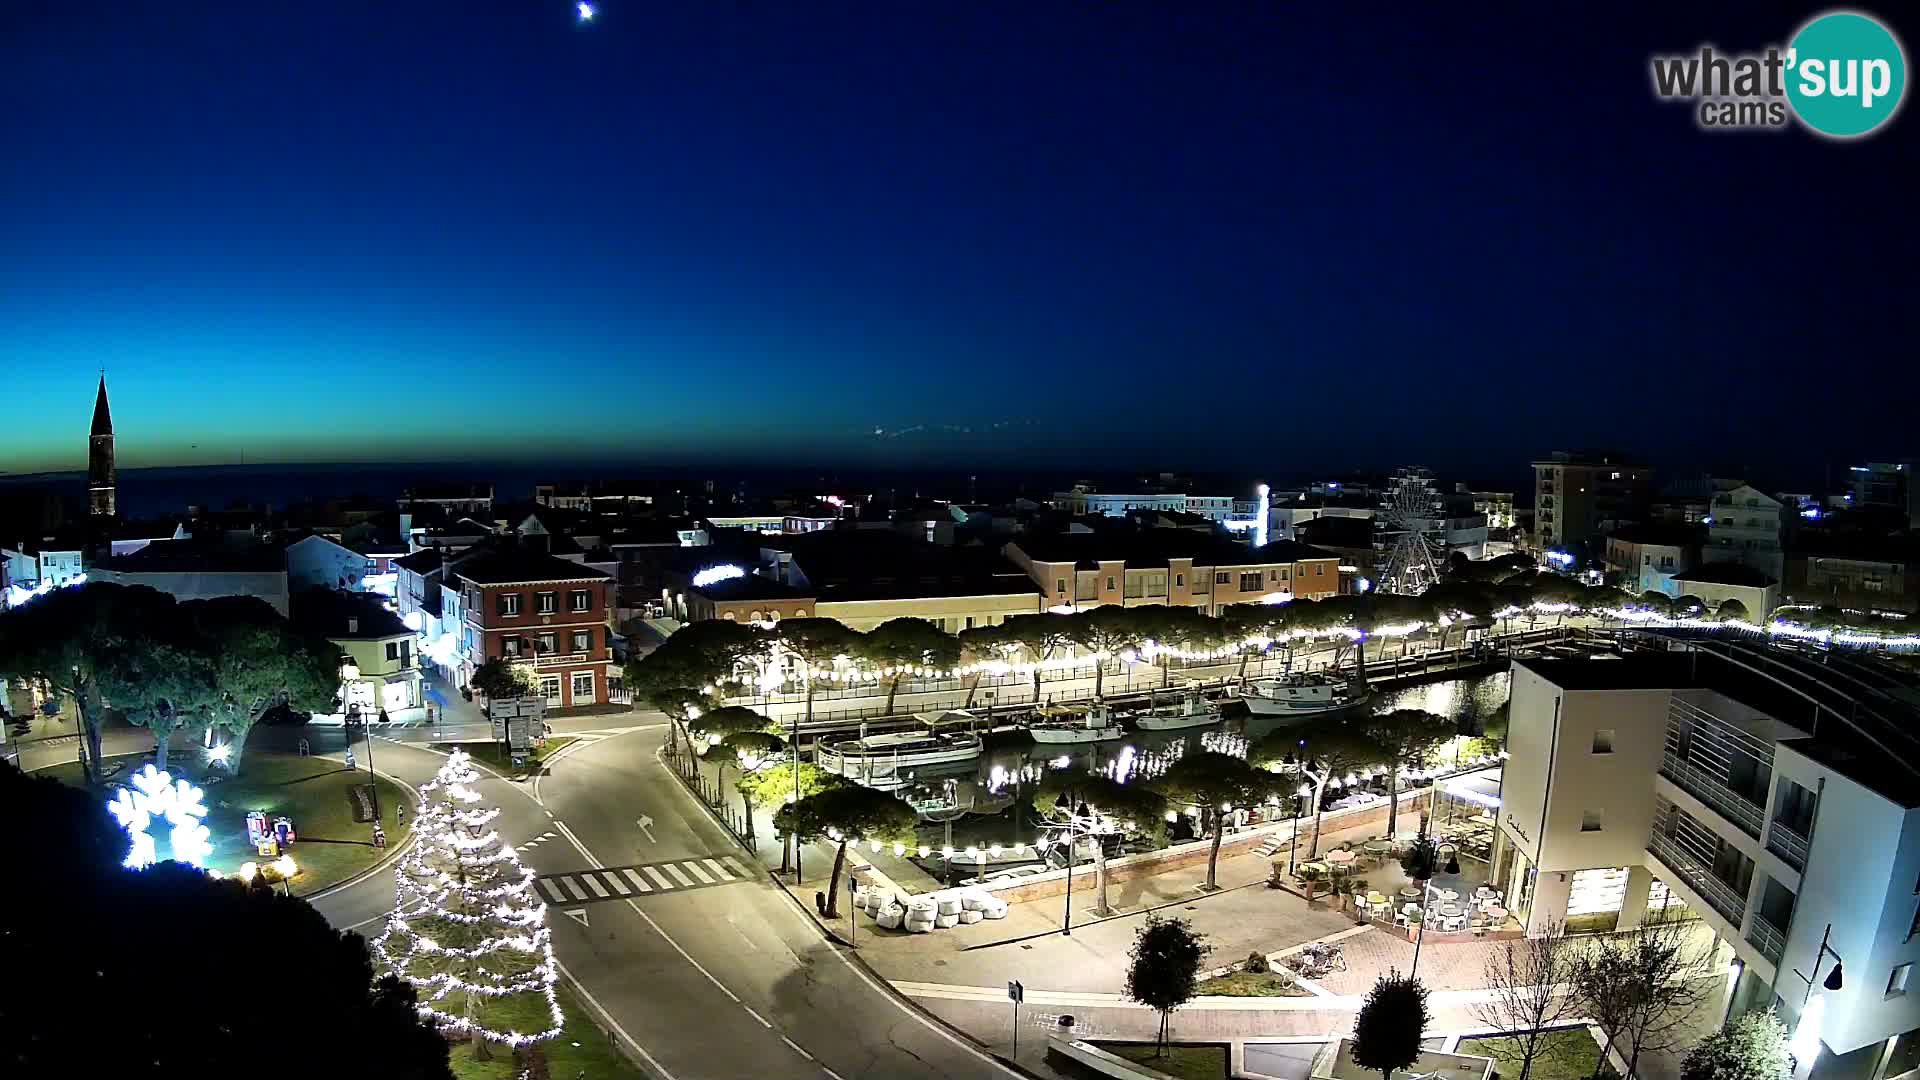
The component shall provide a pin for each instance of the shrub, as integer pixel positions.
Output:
(1256, 963)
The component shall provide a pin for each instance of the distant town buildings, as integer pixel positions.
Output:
(1579, 495)
(1747, 527)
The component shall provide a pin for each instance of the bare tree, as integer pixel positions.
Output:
(1531, 983)
(1645, 986)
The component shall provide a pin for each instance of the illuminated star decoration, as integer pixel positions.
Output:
(585, 11)
(156, 794)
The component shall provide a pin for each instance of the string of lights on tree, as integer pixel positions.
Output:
(467, 927)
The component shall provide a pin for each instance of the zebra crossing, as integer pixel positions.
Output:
(645, 879)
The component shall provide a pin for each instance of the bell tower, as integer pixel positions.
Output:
(100, 502)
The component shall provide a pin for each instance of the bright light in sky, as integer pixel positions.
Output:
(586, 10)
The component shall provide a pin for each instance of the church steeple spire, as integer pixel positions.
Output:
(100, 472)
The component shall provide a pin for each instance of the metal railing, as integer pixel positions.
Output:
(1698, 877)
(1788, 844)
(1708, 789)
(1768, 938)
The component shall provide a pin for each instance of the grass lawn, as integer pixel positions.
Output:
(495, 757)
(314, 792)
(1185, 1062)
(1567, 1054)
(1247, 984)
(581, 1050)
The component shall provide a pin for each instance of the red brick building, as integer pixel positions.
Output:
(546, 613)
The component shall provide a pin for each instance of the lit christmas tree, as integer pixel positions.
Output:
(467, 929)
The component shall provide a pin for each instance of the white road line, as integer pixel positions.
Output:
(796, 1047)
(694, 869)
(581, 988)
(743, 871)
(619, 886)
(829, 1072)
(658, 877)
(638, 881)
(572, 888)
(677, 875)
(725, 874)
(593, 882)
(554, 895)
(757, 1016)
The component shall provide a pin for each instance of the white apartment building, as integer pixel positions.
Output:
(1083, 500)
(1745, 528)
(1775, 797)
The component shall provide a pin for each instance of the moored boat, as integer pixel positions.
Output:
(1191, 711)
(1303, 695)
(889, 760)
(1074, 724)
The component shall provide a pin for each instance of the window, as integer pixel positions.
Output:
(583, 688)
(393, 650)
(1250, 581)
(1109, 584)
(1179, 581)
(510, 603)
(1914, 927)
(580, 600)
(1897, 982)
(1603, 741)
(582, 641)
(969, 622)
(1220, 578)
(1320, 570)
(548, 643)
(546, 603)
(550, 688)
(510, 646)
(1060, 586)
(1590, 821)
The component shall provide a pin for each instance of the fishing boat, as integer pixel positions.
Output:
(1074, 724)
(1191, 711)
(1303, 695)
(891, 760)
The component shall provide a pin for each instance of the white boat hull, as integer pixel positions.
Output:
(1302, 708)
(1176, 723)
(1076, 734)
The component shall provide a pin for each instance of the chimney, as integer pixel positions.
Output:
(353, 624)
(446, 565)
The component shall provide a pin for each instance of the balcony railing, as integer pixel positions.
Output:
(1787, 844)
(553, 659)
(1723, 897)
(1708, 789)
(1768, 938)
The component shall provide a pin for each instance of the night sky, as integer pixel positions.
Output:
(836, 233)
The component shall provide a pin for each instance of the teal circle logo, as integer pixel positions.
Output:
(1846, 74)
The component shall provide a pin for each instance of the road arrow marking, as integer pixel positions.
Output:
(578, 915)
(646, 826)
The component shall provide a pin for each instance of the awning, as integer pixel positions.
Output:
(1482, 787)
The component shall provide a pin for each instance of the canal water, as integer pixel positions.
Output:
(1012, 761)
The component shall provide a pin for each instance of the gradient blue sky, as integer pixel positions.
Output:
(757, 231)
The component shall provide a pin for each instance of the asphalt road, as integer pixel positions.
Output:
(722, 977)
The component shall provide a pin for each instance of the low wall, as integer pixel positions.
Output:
(1194, 853)
(1098, 1061)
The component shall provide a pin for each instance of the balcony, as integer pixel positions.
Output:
(1698, 876)
(1706, 787)
(1768, 938)
(1788, 844)
(547, 660)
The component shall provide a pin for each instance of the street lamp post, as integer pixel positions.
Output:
(1303, 766)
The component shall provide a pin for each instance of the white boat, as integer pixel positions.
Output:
(1191, 711)
(1074, 724)
(1298, 696)
(889, 760)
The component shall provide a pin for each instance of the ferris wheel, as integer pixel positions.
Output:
(1409, 533)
